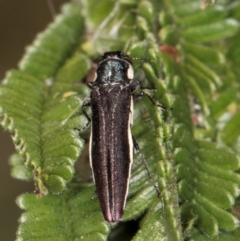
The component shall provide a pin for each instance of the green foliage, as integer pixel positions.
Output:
(192, 156)
(57, 218)
(28, 94)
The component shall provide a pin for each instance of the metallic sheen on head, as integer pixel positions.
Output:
(114, 68)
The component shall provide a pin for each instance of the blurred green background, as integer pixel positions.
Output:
(20, 21)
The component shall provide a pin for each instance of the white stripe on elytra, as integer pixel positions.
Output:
(90, 153)
(130, 144)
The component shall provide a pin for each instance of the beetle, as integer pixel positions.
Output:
(111, 140)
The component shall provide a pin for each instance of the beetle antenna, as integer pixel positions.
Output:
(143, 59)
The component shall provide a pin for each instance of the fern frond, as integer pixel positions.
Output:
(62, 217)
(42, 110)
(205, 171)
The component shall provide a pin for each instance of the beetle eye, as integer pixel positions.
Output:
(95, 76)
(130, 72)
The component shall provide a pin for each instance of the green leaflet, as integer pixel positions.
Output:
(233, 53)
(19, 170)
(211, 32)
(233, 236)
(203, 72)
(223, 101)
(230, 132)
(205, 54)
(186, 8)
(211, 14)
(150, 229)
